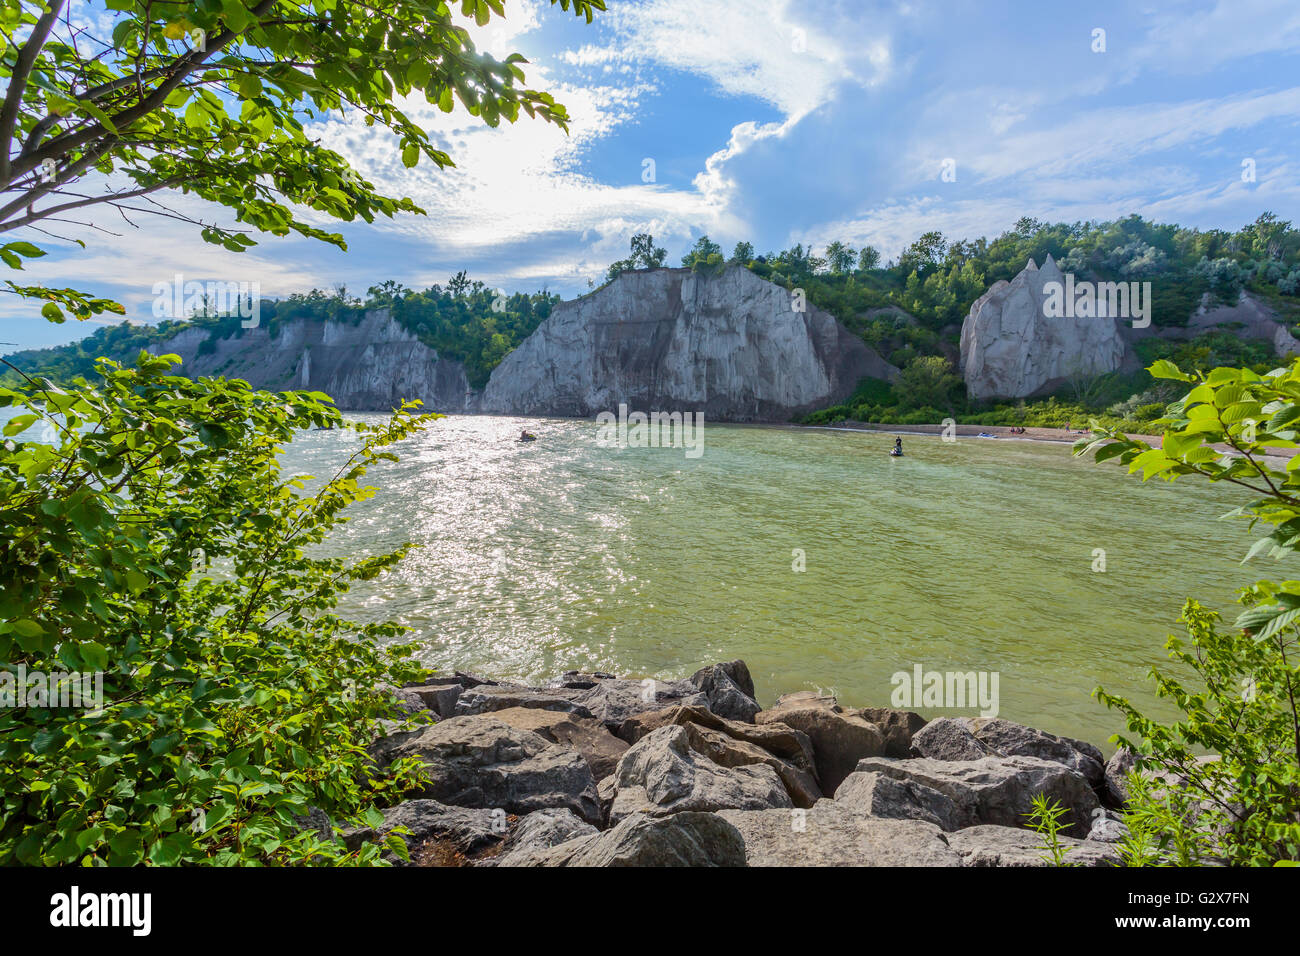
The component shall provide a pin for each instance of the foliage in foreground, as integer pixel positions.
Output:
(154, 539)
(1241, 804)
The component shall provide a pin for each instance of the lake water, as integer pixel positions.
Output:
(976, 555)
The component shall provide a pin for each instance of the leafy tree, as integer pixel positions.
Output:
(704, 253)
(211, 99)
(868, 258)
(840, 257)
(704, 248)
(645, 254)
(926, 253)
(928, 380)
(1243, 804)
(743, 253)
(154, 540)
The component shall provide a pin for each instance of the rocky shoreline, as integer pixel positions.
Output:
(592, 770)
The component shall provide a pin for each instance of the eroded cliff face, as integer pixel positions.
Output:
(1011, 349)
(370, 366)
(730, 346)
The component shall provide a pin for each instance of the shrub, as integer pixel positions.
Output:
(1244, 806)
(155, 542)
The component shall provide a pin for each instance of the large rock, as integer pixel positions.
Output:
(439, 696)
(878, 795)
(971, 738)
(1121, 763)
(661, 774)
(840, 737)
(1011, 739)
(898, 726)
(1010, 846)
(439, 834)
(729, 689)
(486, 699)
(586, 735)
(997, 790)
(539, 831)
(731, 346)
(1011, 349)
(683, 839)
(373, 364)
(481, 761)
(776, 738)
(948, 738)
(833, 835)
(614, 701)
(731, 743)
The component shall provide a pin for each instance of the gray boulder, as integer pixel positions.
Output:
(615, 701)
(833, 835)
(683, 839)
(480, 761)
(1011, 846)
(898, 726)
(729, 689)
(486, 699)
(1121, 763)
(1107, 828)
(586, 735)
(539, 831)
(971, 738)
(439, 834)
(1011, 739)
(439, 697)
(997, 790)
(947, 738)
(661, 774)
(731, 743)
(878, 795)
(840, 738)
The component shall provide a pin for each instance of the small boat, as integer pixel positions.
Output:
(895, 453)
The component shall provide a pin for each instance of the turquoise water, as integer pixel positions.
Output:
(971, 556)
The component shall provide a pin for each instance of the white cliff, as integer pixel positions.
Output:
(368, 366)
(732, 346)
(1010, 348)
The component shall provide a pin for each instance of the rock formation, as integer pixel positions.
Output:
(368, 366)
(731, 346)
(1011, 349)
(804, 784)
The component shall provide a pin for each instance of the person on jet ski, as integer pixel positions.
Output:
(898, 448)
(526, 435)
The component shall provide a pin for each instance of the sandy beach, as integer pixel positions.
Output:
(1003, 432)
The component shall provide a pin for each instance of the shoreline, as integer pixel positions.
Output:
(1060, 436)
(589, 769)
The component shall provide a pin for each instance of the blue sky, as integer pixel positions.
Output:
(781, 122)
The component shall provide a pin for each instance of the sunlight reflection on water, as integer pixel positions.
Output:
(536, 558)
